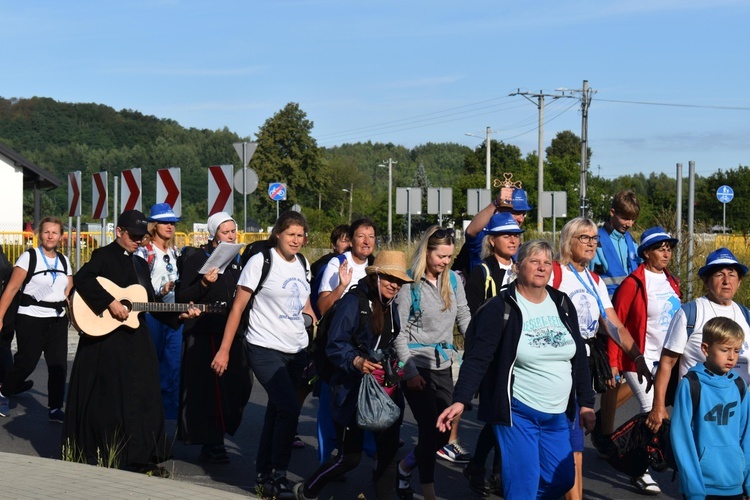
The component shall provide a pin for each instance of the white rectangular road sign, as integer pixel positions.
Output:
(440, 200)
(560, 200)
(477, 199)
(409, 200)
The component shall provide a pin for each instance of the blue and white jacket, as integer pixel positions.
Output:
(712, 447)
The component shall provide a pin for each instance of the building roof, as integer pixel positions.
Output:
(34, 176)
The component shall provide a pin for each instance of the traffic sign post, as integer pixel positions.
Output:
(74, 210)
(168, 187)
(439, 201)
(724, 194)
(277, 192)
(220, 191)
(409, 201)
(246, 150)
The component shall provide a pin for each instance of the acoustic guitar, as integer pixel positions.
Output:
(135, 300)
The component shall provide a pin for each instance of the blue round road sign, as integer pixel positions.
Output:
(277, 191)
(725, 194)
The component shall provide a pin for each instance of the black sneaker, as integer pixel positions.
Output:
(496, 484)
(264, 486)
(57, 416)
(475, 475)
(282, 489)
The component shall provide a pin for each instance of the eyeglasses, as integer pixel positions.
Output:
(585, 239)
(441, 234)
(170, 267)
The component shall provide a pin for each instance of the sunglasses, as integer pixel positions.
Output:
(134, 237)
(167, 223)
(170, 267)
(442, 234)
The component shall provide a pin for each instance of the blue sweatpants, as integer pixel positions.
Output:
(542, 466)
(168, 344)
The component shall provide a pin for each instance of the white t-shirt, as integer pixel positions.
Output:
(690, 347)
(583, 299)
(47, 287)
(330, 279)
(508, 276)
(276, 320)
(541, 375)
(663, 303)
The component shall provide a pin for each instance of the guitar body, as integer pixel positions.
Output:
(96, 325)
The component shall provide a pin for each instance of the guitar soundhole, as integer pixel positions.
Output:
(128, 305)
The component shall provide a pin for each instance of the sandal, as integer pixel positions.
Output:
(403, 493)
(645, 485)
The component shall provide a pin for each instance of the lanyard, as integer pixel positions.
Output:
(591, 290)
(50, 268)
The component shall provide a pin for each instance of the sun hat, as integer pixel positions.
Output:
(134, 222)
(653, 236)
(502, 223)
(520, 200)
(390, 263)
(162, 212)
(217, 220)
(719, 259)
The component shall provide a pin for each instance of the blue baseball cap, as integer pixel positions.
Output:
(520, 200)
(719, 259)
(502, 223)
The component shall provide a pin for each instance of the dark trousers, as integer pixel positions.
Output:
(426, 405)
(352, 443)
(279, 373)
(486, 442)
(35, 336)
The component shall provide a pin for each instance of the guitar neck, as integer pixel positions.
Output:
(165, 307)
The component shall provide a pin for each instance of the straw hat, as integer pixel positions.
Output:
(390, 263)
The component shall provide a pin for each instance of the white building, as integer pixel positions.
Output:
(17, 174)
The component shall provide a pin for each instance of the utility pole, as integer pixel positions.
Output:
(540, 170)
(489, 163)
(390, 196)
(586, 95)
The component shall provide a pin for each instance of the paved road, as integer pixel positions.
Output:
(28, 432)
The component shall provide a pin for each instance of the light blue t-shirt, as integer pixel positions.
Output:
(542, 372)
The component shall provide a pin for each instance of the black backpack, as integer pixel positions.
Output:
(21, 299)
(317, 350)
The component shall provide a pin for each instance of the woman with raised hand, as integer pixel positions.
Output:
(429, 308)
(529, 368)
(276, 344)
(355, 343)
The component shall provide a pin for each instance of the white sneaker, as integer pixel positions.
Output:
(645, 484)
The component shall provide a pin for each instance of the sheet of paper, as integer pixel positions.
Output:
(221, 257)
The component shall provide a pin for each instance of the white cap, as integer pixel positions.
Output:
(217, 220)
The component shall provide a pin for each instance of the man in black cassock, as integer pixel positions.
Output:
(114, 413)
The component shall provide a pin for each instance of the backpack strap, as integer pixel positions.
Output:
(745, 312)
(691, 311)
(695, 389)
(556, 275)
(490, 289)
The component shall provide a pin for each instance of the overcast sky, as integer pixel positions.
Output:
(671, 76)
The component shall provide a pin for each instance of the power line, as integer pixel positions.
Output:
(676, 105)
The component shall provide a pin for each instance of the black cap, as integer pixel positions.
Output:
(134, 222)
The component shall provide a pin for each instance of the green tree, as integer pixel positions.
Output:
(288, 153)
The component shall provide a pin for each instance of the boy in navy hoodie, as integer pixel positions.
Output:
(710, 434)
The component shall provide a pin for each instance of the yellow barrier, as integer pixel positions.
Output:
(15, 243)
